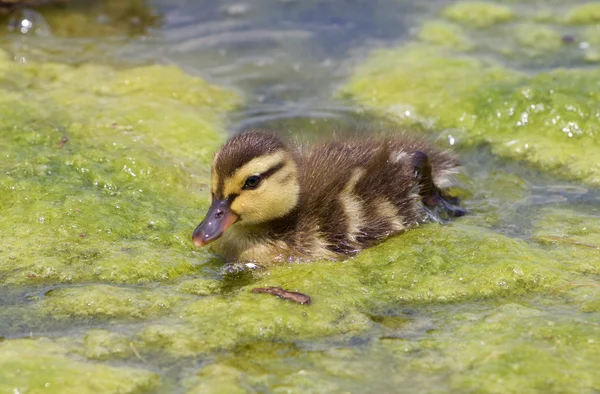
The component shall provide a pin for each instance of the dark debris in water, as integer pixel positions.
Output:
(287, 295)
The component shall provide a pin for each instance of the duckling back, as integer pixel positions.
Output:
(362, 191)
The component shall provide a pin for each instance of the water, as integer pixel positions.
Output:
(288, 59)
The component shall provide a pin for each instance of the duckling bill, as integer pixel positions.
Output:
(274, 203)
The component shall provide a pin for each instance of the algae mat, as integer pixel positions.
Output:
(468, 72)
(104, 175)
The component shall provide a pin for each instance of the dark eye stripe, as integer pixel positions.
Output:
(232, 197)
(263, 176)
(272, 170)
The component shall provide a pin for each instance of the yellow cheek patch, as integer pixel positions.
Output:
(277, 196)
(238, 206)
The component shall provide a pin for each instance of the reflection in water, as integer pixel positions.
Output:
(8, 6)
(80, 18)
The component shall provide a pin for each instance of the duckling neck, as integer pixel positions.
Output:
(259, 242)
(280, 226)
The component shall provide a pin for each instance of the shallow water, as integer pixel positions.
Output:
(96, 261)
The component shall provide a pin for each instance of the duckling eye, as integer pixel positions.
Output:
(252, 182)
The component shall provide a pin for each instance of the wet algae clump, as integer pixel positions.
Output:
(588, 13)
(478, 14)
(102, 301)
(100, 177)
(447, 34)
(43, 365)
(500, 348)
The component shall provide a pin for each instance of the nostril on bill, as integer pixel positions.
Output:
(219, 214)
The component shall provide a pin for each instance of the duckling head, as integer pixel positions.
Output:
(253, 181)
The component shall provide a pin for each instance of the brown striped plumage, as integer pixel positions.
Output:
(273, 203)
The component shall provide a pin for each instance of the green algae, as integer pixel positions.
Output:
(106, 345)
(445, 34)
(220, 379)
(550, 120)
(592, 35)
(102, 301)
(581, 294)
(216, 378)
(588, 13)
(417, 81)
(478, 14)
(200, 287)
(575, 234)
(538, 37)
(103, 170)
(40, 366)
(507, 348)
(592, 39)
(570, 226)
(430, 265)
(533, 360)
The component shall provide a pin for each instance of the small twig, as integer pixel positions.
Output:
(493, 355)
(137, 354)
(573, 284)
(287, 295)
(552, 238)
(63, 142)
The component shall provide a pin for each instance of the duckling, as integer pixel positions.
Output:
(274, 203)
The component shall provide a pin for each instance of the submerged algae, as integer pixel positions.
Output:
(506, 348)
(588, 13)
(569, 227)
(106, 345)
(217, 379)
(487, 353)
(478, 14)
(102, 301)
(42, 366)
(538, 37)
(446, 34)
